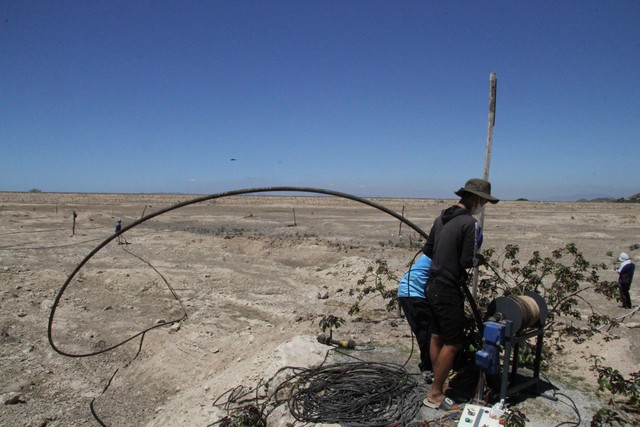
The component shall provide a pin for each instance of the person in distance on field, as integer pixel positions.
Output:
(625, 277)
(120, 238)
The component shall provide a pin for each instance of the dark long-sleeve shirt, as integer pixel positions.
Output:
(452, 245)
(626, 274)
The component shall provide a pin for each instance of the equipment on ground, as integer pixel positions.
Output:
(327, 340)
(480, 416)
(512, 320)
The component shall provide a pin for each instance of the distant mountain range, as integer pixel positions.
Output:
(633, 199)
(584, 198)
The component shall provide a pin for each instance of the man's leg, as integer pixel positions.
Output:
(443, 357)
(434, 350)
(423, 333)
(624, 295)
(424, 344)
(416, 315)
(435, 345)
(627, 296)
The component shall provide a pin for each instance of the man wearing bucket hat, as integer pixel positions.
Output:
(453, 245)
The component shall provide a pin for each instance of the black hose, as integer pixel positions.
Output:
(191, 202)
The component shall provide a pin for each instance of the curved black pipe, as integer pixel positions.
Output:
(191, 202)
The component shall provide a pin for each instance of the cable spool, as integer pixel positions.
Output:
(524, 311)
(529, 310)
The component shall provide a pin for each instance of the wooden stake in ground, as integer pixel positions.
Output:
(400, 228)
(493, 83)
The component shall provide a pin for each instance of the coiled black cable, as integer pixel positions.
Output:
(355, 394)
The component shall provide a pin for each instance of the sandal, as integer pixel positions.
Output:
(446, 405)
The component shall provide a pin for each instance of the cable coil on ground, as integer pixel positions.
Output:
(353, 394)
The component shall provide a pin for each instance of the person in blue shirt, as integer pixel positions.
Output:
(412, 299)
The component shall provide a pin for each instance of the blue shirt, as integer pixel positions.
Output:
(413, 282)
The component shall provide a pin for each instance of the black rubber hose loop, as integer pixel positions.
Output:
(187, 203)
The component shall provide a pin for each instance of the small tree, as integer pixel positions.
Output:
(562, 279)
(331, 322)
(618, 411)
(374, 284)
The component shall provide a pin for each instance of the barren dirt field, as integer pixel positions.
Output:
(231, 290)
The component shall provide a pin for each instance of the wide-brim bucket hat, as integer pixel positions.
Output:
(479, 187)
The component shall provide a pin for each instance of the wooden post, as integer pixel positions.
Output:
(493, 83)
(492, 121)
(400, 228)
(73, 230)
(295, 224)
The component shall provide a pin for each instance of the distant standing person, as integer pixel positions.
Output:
(413, 301)
(117, 231)
(625, 277)
(73, 229)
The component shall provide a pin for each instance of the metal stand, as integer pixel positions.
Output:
(511, 382)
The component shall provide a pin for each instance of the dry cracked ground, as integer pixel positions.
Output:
(249, 278)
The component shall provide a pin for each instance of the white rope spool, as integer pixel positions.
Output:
(529, 310)
(524, 311)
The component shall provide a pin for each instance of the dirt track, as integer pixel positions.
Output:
(253, 275)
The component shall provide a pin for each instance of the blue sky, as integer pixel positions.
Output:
(372, 98)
